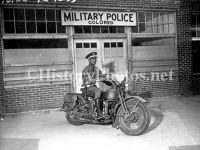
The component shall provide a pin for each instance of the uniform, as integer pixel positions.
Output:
(89, 76)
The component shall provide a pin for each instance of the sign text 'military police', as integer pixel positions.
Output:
(98, 18)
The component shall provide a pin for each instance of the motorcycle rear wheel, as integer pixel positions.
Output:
(72, 119)
(136, 124)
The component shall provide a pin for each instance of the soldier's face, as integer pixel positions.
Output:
(93, 61)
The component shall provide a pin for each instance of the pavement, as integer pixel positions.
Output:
(175, 125)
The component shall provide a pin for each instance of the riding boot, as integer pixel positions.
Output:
(98, 107)
(99, 112)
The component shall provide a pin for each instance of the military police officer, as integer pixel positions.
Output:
(90, 74)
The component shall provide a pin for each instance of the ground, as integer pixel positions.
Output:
(175, 125)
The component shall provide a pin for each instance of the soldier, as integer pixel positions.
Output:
(90, 74)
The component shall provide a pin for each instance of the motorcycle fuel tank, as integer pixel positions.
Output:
(110, 94)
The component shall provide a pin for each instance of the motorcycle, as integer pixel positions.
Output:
(130, 114)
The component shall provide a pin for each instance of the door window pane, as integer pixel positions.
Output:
(78, 45)
(86, 45)
(120, 44)
(113, 44)
(93, 45)
(106, 45)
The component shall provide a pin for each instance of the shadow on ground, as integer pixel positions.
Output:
(156, 119)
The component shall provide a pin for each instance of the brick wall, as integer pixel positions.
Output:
(184, 47)
(1, 68)
(157, 87)
(127, 4)
(34, 98)
(45, 97)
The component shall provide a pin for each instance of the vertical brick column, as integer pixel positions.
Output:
(1, 65)
(184, 46)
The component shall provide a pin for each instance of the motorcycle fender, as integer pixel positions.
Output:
(139, 99)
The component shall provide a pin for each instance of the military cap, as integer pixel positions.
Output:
(90, 55)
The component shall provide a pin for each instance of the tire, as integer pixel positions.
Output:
(138, 123)
(73, 120)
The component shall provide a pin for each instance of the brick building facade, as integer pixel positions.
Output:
(160, 42)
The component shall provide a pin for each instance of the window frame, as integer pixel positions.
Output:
(159, 24)
(56, 22)
(118, 29)
(195, 26)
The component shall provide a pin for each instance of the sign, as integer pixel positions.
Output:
(97, 18)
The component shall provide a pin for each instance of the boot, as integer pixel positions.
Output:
(99, 112)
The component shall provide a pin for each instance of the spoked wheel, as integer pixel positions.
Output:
(137, 122)
(74, 120)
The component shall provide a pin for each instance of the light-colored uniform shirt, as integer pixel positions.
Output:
(90, 74)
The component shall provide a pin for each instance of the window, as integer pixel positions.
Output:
(113, 44)
(154, 22)
(196, 25)
(98, 29)
(28, 21)
(86, 45)
(196, 56)
(152, 41)
(35, 43)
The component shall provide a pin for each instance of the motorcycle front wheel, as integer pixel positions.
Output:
(74, 120)
(139, 120)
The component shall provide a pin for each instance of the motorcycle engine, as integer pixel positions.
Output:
(110, 94)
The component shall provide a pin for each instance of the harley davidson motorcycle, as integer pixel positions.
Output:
(128, 113)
